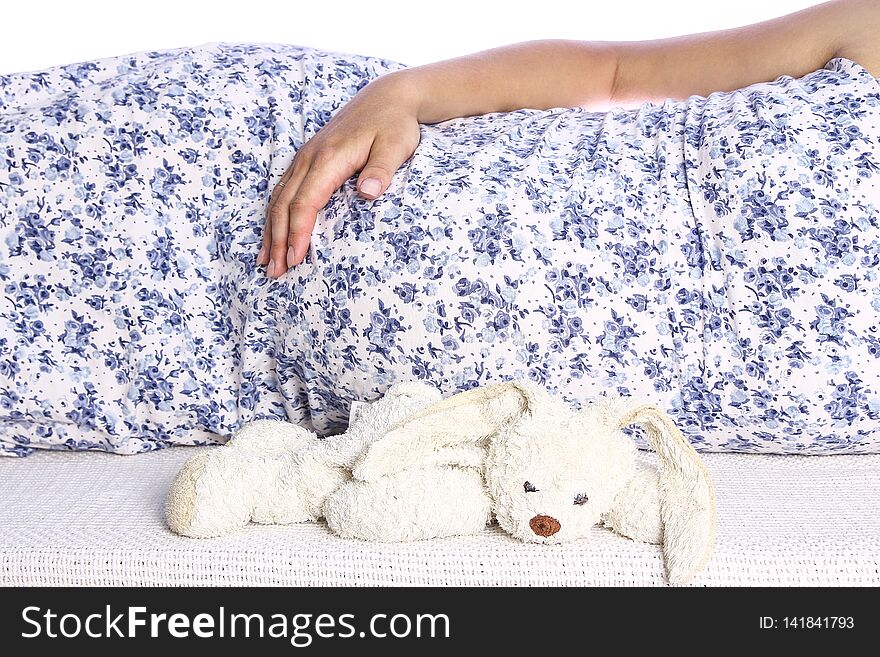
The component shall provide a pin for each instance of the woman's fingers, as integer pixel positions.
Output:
(278, 213)
(328, 172)
(292, 223)
(386, 156)
(321, 167)
(263, 255)
(277, 191)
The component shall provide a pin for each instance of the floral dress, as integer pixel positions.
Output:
(716, 255)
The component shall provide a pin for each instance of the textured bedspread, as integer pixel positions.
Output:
(98, 519)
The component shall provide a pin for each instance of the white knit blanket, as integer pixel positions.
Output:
(98, 519)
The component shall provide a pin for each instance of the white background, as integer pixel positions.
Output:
(36, 34)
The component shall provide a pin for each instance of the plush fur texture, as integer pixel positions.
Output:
(415, 466)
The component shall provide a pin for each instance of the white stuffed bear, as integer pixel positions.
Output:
(415, 466)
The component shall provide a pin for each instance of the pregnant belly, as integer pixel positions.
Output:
(509, 245)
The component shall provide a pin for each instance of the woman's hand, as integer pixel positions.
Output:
(374, 133)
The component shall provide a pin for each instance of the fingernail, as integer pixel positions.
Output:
(290, 256)
(261, 254)
(371, 187)
(271, 270)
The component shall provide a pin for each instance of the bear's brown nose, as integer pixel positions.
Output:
(544, 525)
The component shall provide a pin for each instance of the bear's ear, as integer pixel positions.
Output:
(685, 493)
(453, 430)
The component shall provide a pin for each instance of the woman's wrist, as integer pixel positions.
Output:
(427, 93)
(400, 89)
(417, 94)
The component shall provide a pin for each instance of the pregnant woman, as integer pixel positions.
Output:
(196, 238)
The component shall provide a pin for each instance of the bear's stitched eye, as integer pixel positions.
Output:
(581, 498)
(529, 488)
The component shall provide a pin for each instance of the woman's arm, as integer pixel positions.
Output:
(378, 129)
(732, 59)
(601, 74)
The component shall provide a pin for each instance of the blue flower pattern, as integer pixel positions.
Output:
(718, 255)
